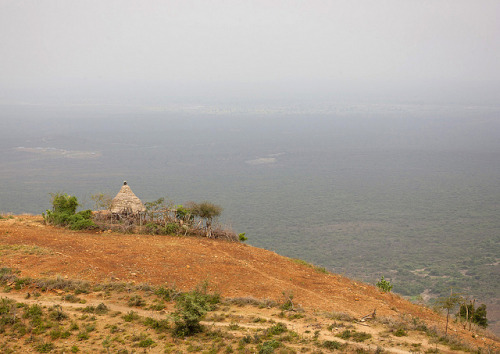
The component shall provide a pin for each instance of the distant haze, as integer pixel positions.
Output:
(145, 52)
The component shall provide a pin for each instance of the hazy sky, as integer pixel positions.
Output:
(131, 48)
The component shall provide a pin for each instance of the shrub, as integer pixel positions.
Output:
(84, 335)
(269, 347)
(475, 315)
(360, 336)
(288, 303)
(384, 285)
(130, 316)
(64, 213)
(136, 301)
(56, 313)
(63, 203)
(44, 347)
(355, 336)
(191, 308)
(277, 329)
(171, 228)
(99, 309)
(242, 237)
(331, 344)
(346, 334)
(157, 325)
(400, 332)
(167, 294)
(152, 228)
(146, 343)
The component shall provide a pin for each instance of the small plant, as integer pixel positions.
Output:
(56, 313)
(400, 332)
(131, 316)
(277, 329)
(360, 336)
(158, 325)
(84, 335)
(384, 285)
(136, 301)
(331, 345)
(44, 347)
(171, 228)
(269, 347)
(167, 294)
(288, 303)
(242, 237)
(145, 343)
(71, 298)
(346, 334)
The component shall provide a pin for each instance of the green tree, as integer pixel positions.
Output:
(471, 314)
(63, 203)
(64, 213)
(449, 303)
(183, 214)
(207, 211)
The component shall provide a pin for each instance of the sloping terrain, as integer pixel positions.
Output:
(232, 269)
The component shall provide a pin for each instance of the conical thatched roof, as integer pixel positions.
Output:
(126, 201)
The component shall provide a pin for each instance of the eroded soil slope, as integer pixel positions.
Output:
(233, 269)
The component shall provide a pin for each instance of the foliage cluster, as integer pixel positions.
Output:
(64, 213)
(384, 285)
(477, 315)
(191, 308)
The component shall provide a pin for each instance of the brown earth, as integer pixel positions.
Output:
(233, 269)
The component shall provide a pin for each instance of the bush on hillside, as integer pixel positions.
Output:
(64, 213)
(191, 308)
(477, 315)
(384, 285)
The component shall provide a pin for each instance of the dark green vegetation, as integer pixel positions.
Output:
(409, 192)
(64, 213)
(191, 308)
(468, 312)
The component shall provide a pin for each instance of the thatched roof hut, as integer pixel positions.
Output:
(126, 202)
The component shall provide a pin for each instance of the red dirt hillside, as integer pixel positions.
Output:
(234, 269)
